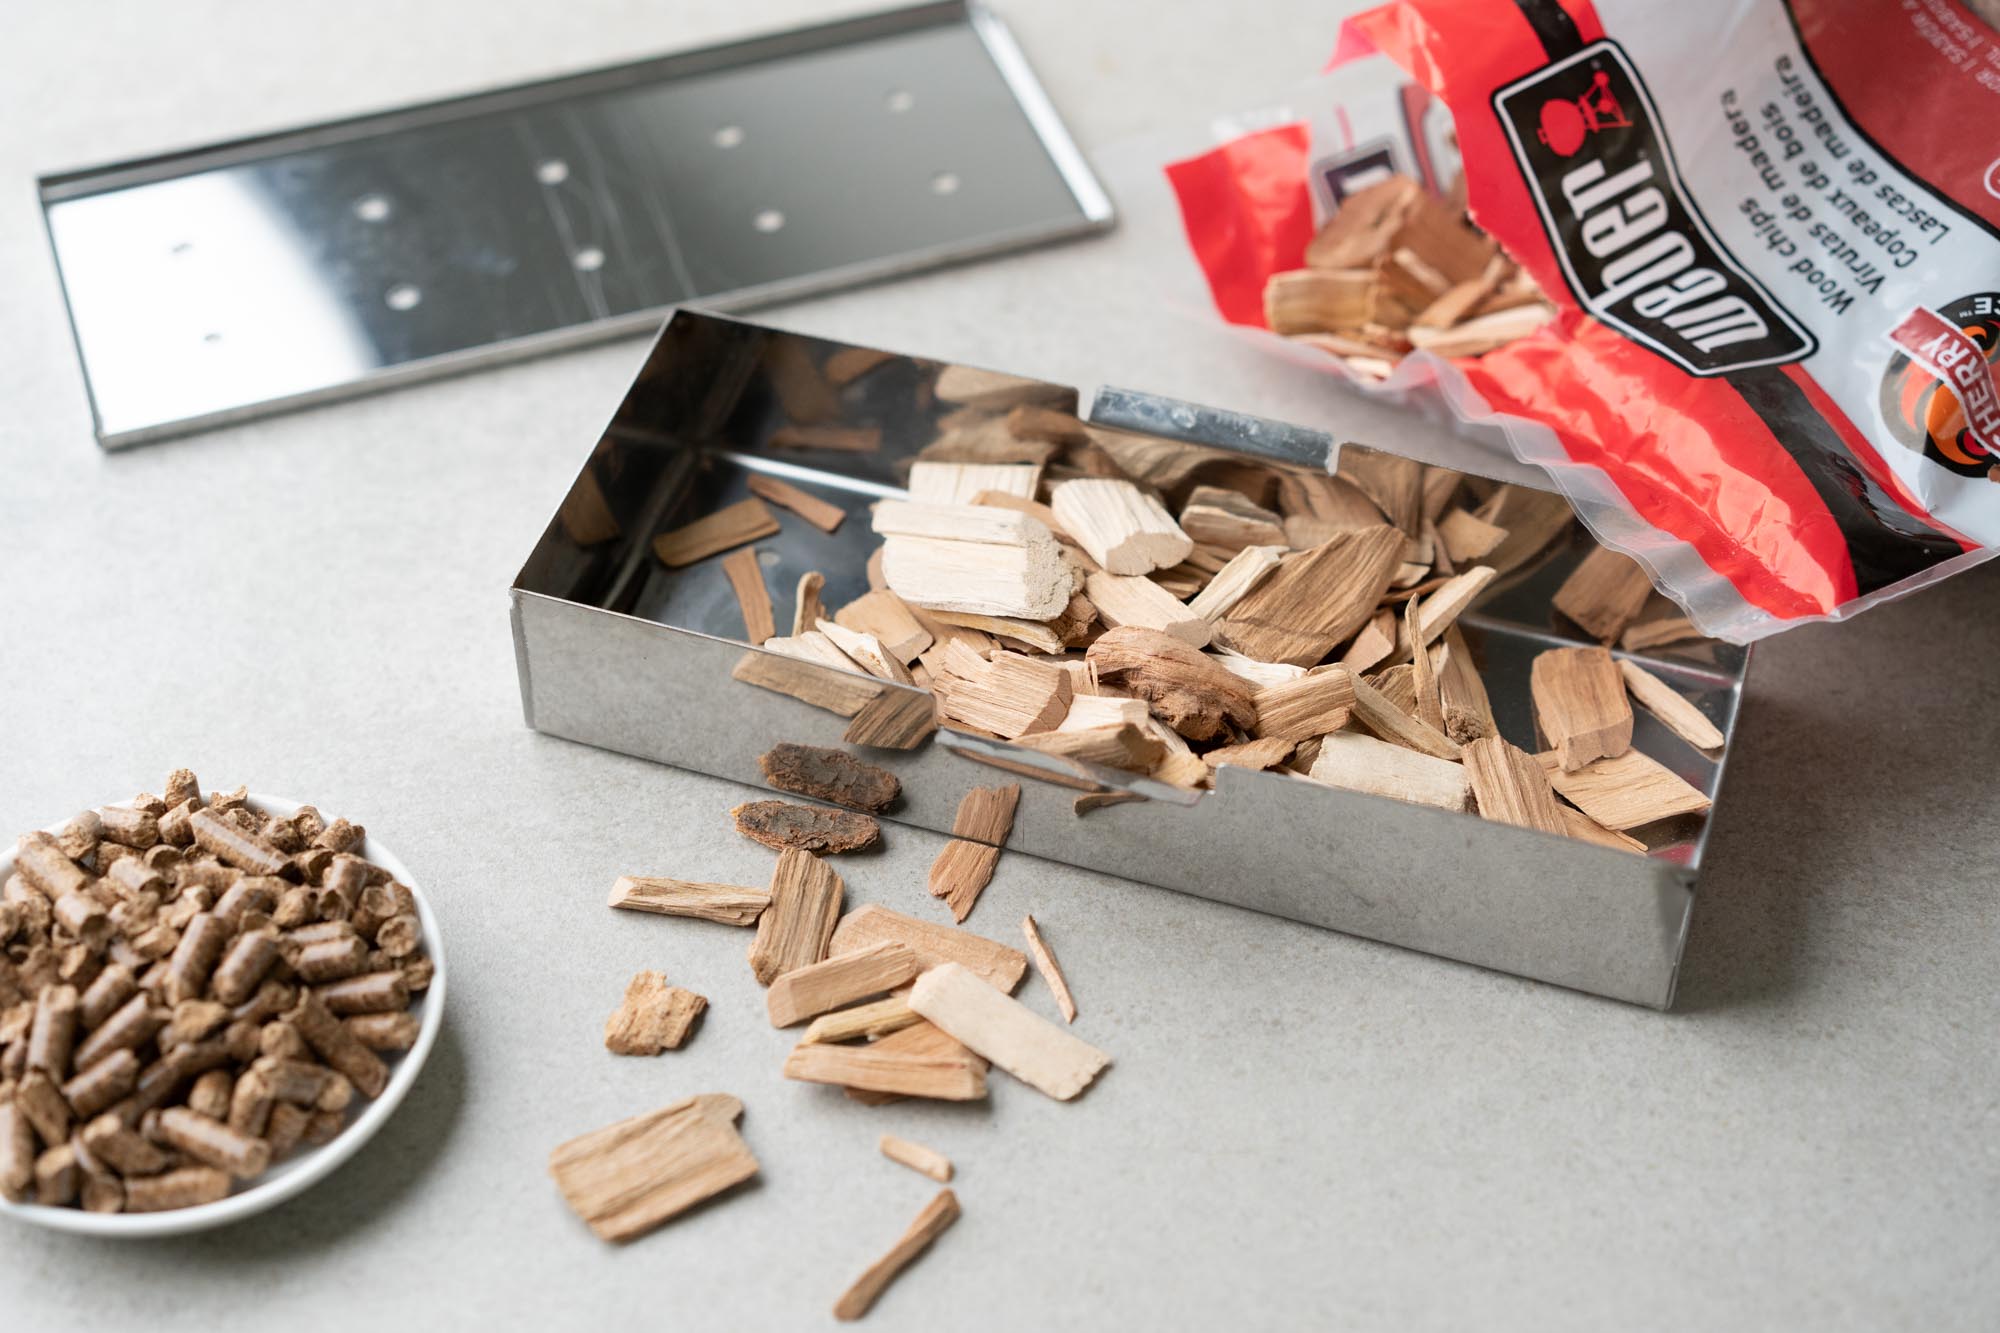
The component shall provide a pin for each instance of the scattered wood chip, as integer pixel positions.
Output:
(1583, 828)
(1190, 692)
(1510, 787)
(1605, 593)
(893, 720)
(810, 680)
(732, 525)
(876, 1019)
(1052, 973)
(1314, 600)
(1624, 791)
(838, 439)
(924, 1161)
(627, 1178)
(807, 610)
(1125, 530)
(1006, 1032)
(1580, 704)
(822, 514)
(797, 928)
(976, 558)
(653, 1017)
(809, 991)
(746, 580)
(1130, 599)
(1675, 710)
(806, 828)
(917, 1061)
(991, 961)
(936, 1217)
(1006, 695)
(729, 904)
(1360, 763)
(964, 868)
(834, 776)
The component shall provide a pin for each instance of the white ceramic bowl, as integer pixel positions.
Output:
(306, 1165)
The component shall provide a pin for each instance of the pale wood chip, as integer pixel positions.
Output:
(964, 868)
(653, 1017)
(822, 514)
(1583, 828)
(1125, 530)
(629, 1177)
(936, 1217)
(1605, 593)
(1467, 538)
(1624, 791)
(1678, 712)
(1123, 600)
(876, 1019)
(797, 928)
(1264, 753)
(812, 990)
(894, 720)
(1510, 787)
(916, 1061)
(1580, 704)
(1377, 713)
(807, 609)
(890, 620)
(1361, 763)
(925, 1161)
(729, 904)
(1006, 1032)
(1314, 600)
(1052, 973)
(753, 599)
(992, 961)
(732, 525)
(1314, 704)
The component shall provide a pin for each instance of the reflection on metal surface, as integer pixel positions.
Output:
(210, 285)
(616, 650)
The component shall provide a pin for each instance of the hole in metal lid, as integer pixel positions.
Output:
(768, 221)
(371, 208)
(552, 172)
(729, 136)
(182, 247)
(403, 296)
(211, 337)
(589, 259)
(900, 101)
(944, 182)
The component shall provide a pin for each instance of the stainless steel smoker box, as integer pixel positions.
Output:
(616, 650)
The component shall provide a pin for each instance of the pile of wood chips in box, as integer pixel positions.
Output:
(894, 1007)
(1396, 270)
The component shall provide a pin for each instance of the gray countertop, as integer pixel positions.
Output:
(1300, 1130)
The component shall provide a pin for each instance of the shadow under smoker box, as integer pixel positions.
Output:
(617, 650)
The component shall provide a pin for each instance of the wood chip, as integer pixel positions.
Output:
(1583, 828)
(960, 483)
(1123, 745)
(1187, 690)
(1006, 695)
(1314, 704)
(780, 670)
(746, 580)
(1266, 752)
(964, 868)
(1580, 704)
(994, 392)
(1658, 632)
(1670, 706)
(992, 961)
(1476, 337)
(796, 930)
(935, 1219)
(1087, 711)
(627, 1178)
(822, 514)
(1360, 763)
(887, 617)
(1229, 520)
(654, 1017)
(1391, 723)
(924, 1161)
(917, 1061)
(1362, 228)
(807, 610)
(732, 525)
(1424, 691)
(1314, 600)
(1052, 973)
(1374, 645)
(1129, 599)
(1309, 300)
(876, 1019)
(866, 651)
(805, 828)
(834, 776)
(1510, 788)
(1624, 791)
(1441, 609)
(1393, 483)
(837, 439)
(1533, 520)
(976, 558)
(1468, 714)
(1467, 538)
(894, 720)
(812, 990)
(1604, 593)
(729, 904)
(1029, 422)
(1033, 635)
(1245, 570)
(1125, 530)
(1006, 1032)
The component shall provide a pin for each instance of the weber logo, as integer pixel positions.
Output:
(1632, 245)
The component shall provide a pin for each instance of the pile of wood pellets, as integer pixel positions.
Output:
(892, 1006)
(190, 989)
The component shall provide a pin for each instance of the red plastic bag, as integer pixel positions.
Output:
(1773, 239)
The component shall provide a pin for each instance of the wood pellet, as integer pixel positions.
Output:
(190, 989)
